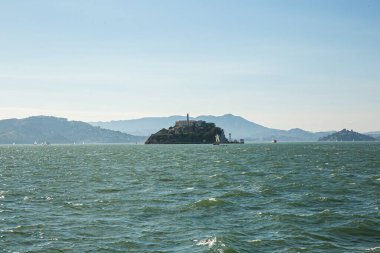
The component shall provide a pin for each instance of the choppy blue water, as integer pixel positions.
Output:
(304, 197)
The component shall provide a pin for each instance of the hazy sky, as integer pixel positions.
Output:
(282, 64)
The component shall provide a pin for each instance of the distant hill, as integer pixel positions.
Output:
(346, 135)
(58, 130)
(236, 125)
(375, 135)
(242, 128)
(141, 127)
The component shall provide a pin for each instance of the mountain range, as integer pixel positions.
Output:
(46, 129)
(60, 130)
(239, 128)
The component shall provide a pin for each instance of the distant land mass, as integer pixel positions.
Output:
(346, 135)
(375, 134)
(239, 127)
(192, 132)
(46, 129)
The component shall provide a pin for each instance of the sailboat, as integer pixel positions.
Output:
(217, 139)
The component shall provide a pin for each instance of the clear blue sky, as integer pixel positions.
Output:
(282, 64)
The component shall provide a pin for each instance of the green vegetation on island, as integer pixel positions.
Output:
(44, 129)
(188, 132)
(346, 135)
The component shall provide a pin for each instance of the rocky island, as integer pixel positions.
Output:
(188, 132)
(346, 135)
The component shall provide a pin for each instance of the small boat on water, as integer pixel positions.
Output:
(217, 140)
(274, 141)
(226, 142)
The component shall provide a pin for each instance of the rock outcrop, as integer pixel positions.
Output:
(196, 132)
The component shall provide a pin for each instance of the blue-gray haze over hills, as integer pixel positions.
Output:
(58, 131)
(236, 125)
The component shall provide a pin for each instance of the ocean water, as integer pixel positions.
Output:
(286, 197)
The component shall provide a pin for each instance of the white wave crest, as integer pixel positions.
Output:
(207, 242)
(374, 249)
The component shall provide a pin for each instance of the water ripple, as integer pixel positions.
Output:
(290, 197)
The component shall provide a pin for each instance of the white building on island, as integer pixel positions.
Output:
(188, 122)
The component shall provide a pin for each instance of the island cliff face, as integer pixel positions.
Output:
(188, 132)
